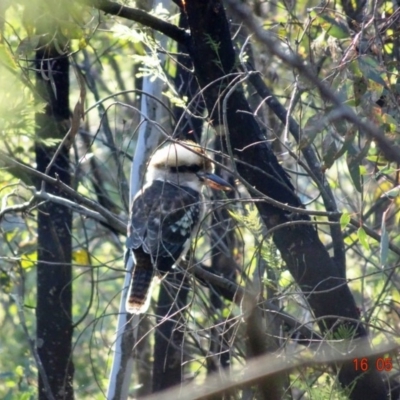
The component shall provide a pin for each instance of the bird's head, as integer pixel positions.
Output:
(184, 163)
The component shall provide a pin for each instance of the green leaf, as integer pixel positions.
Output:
(353, 164)
(362, 237)
(360, 87)
(384, 244)
(377, 159)
(29, 260)
(386, 170)
(329, 150)
(81, 257)
(363, 170)
(71, 30)
(333, 24)
(344, 220)
(250, 219)
(19, 371)
(392, 193)
(348, 141)
(371, 69)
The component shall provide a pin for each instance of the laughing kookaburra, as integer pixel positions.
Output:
(166, 215)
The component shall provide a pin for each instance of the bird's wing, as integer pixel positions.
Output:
(163, 218)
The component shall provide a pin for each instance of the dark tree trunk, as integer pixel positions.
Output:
(186, 84)
(213, 56)
(168, 347)
(223, 244)
(54, 272)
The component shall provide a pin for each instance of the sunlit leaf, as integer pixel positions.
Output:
(333, 24)
(250, 219)
(71, 30)
(362, 237)
(29, 260)
(363, 170)
(19, 370)
(81, 257)
(344, 220)
(386, 170)
(392, 193)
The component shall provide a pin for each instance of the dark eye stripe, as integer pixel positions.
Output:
(194, 168)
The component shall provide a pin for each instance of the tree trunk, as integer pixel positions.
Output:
(211, 50)
(169, 334)
(54, 272)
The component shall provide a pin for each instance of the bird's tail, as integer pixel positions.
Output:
(139, 293)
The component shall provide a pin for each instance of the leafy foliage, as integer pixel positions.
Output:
(114, 56)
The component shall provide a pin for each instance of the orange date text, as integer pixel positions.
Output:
(380, 364)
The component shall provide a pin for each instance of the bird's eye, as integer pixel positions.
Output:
(194, 168)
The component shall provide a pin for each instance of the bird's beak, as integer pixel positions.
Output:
(214, 181)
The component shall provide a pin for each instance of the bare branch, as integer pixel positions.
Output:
(134, 14)
(390, 150)
(259, 368)
(100, 214)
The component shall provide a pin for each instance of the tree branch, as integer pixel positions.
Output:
(258, 369)
(312, 162)
(100, 213)
(237, 294)
(388, 148)
(134, 14)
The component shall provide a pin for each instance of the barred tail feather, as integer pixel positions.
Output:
(139, 293)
